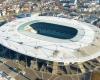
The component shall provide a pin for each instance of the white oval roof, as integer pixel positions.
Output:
(73, 50)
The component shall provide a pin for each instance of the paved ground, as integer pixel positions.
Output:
(32, 75)
(96, 75)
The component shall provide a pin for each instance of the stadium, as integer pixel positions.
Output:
(61, 46)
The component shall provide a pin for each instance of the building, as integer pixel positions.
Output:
(4, 76)
(54, 46)
(71, 4)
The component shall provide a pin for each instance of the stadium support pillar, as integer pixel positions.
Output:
(67, 66)
(98, 59)
(68, 69)
(34, 65)
(81, 67)
(55, 68)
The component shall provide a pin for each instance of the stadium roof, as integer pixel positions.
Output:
(84, 46)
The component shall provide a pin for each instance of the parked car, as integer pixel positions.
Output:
(2, 22)
(23, 15)
(91, 19)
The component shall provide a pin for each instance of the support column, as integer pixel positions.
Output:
(81, 67)
(34, 65)
(55, 68)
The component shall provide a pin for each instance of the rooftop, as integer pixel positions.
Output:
(78, 48)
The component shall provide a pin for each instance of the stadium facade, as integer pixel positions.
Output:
(57, 44)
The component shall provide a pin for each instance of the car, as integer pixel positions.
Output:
(2, 22)
(91, 19)
(23, 15)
